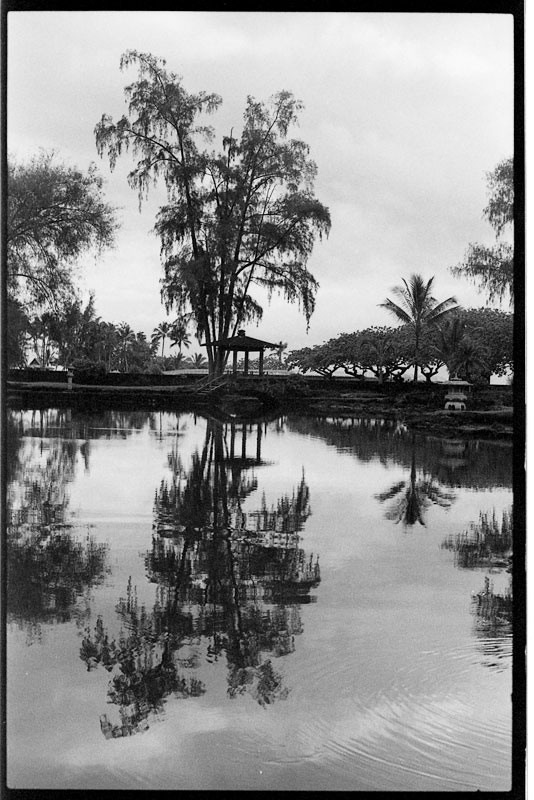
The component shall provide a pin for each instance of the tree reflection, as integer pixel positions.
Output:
(411, 497)
(49, 569)
(488, 545)
(229, 584)
(471, 463)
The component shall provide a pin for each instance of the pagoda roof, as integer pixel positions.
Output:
(457, 382)
(243, 342)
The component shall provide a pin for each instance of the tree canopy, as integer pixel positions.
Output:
(55, 213)
(236, 219)
(493, 267)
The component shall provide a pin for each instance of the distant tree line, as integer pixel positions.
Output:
(473, 344)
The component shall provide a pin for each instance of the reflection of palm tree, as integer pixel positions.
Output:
(418, 308)
(413, 496)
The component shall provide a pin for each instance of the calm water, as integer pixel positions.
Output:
(294, 603)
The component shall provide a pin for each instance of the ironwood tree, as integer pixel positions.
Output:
(237, 219)
(55, 214)
(492, 268)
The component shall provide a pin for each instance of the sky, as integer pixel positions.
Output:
(405, 114)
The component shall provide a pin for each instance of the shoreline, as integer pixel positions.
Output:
(412, 406)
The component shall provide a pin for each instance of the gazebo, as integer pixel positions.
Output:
(245, 344)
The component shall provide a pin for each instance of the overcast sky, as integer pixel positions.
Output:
(404, 114)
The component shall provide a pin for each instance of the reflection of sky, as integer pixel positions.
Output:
(386, 680)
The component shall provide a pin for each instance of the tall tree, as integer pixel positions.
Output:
(179, 334)
(236, 219)
(17, 331)
(280, 349)
(55, 214)
(493, 267)
(126, 338)
(160, 333)
(417, 307)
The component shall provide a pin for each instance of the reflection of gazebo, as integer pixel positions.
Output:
(245, 344)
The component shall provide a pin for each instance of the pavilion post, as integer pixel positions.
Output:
(261, 362)
(234, 365)
(246, 362)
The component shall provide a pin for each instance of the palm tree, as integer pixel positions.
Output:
(418, 308)
(280, 348)
(126, 337)
(471, 358)
(449, 339)
(160, 333)
(179, 334)
(197, 361)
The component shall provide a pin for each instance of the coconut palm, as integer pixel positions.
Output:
(125, 336)
(179, 334)
(471, 358)
(280, 348)
(417, 307)
(160, 333)
(449, 338)
(197, 361)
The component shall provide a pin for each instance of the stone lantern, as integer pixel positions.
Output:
(456, 397)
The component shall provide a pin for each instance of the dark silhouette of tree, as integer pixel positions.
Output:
(242, 217)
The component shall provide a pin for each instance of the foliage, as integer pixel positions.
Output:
(493, 267)
(16, 333)
(323, 359)
(55, 214)
(75, 331)
(418, 308)
(197, 361)
(179, 333)
(243, 217)
(492, 332)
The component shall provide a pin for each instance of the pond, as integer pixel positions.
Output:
(284, 603)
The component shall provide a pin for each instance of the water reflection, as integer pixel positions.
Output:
(488, 546)
(371, 672)
(473, 463)
(50, 569)
(230, 582)
(412, 496)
